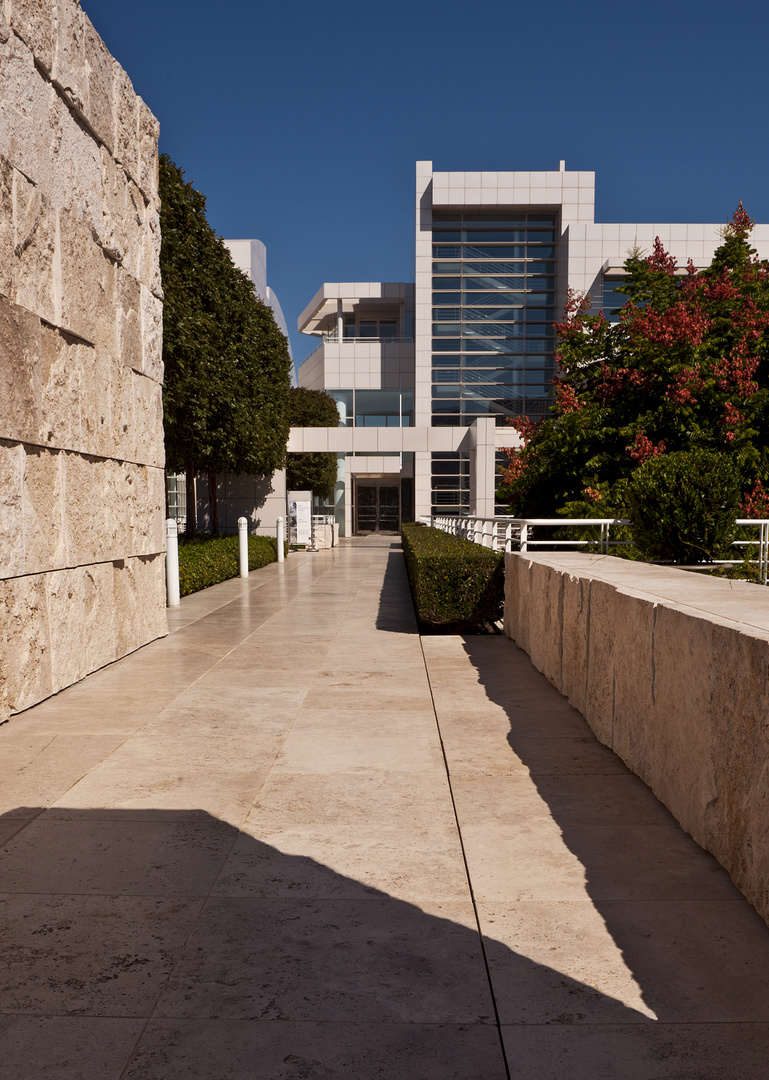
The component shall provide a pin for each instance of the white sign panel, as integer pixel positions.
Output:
(300, 522)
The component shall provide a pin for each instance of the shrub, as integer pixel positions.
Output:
(207, 560)
(453, 581)
(684, 505)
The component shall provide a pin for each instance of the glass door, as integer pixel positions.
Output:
(367, 508)
(389, 508)
(377, 506)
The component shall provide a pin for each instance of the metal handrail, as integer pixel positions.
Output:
(508, 534)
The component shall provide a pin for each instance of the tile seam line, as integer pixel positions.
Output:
(205, 899)
(497, 1021)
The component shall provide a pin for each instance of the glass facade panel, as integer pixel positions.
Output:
(494, 267)
(613, 300)
(450, 483)
(374, 408)
(499, 340)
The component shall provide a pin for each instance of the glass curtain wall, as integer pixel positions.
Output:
(374, 408)
(493, 312)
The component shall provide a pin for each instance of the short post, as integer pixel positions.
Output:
(280, 531)
(243, 545)
(524, 544)
(172, 563)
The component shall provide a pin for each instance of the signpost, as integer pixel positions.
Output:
(300, 518)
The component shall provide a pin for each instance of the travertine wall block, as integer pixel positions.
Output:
(82, 486)
(126, 125)
(12, 459)
(31, 20)
(7, 243)
(671, 670)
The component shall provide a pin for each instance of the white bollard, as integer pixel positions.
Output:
(280, 538)
(172, 563)
(243, 545)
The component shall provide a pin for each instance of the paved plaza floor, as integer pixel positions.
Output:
(294, 839)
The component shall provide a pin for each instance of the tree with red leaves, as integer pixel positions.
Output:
(685, 367)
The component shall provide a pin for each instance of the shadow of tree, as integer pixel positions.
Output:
(149, 945)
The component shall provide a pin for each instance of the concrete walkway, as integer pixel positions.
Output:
(249, 852)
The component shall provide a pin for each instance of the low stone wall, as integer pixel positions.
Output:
(81, 432)
(671, 670)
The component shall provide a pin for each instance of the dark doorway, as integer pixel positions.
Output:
(377, 506)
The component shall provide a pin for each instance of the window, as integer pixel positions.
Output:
(371, 329)
(374, 408)
(613, 300)
(494, 303)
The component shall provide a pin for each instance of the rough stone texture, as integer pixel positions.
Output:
(81, 437)
(671, 670)
(60, 626)
(31, 20)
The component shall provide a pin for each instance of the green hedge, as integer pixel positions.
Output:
(207, 560)
(453, 582)
(684, 506)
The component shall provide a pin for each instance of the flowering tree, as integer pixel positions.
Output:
(686, 366)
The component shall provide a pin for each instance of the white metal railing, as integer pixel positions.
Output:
(514, 534)
(332, 337)
(763, 545)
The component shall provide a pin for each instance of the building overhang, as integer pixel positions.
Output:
(345, 297)
(384, 440)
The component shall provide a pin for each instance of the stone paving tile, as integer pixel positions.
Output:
(90, 955)
(536, 861)
(638, 1051)
(386, 797)
(408, 863)
(703, 961)
(512, 799)
(321, 753)
(111, 791)
(39, 770)
(374, 960)
(287, 1050)
(66, 1047)
(91, 855)
(10, 825)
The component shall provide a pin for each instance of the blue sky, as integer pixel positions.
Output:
(301, 122)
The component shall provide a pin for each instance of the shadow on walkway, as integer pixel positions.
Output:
(393, 615)
(697, 950)
(173, 945)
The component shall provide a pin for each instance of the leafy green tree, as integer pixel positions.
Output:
(314, 472)
(227, 365)
(685, 367)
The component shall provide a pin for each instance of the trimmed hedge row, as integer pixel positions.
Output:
(453, 582)
(207, 560)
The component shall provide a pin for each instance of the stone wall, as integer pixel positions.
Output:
(81, 431)
(671, 670)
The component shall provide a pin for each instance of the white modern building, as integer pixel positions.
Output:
(426, 374)
(250, 256)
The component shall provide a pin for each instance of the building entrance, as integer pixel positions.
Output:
(377, 506)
